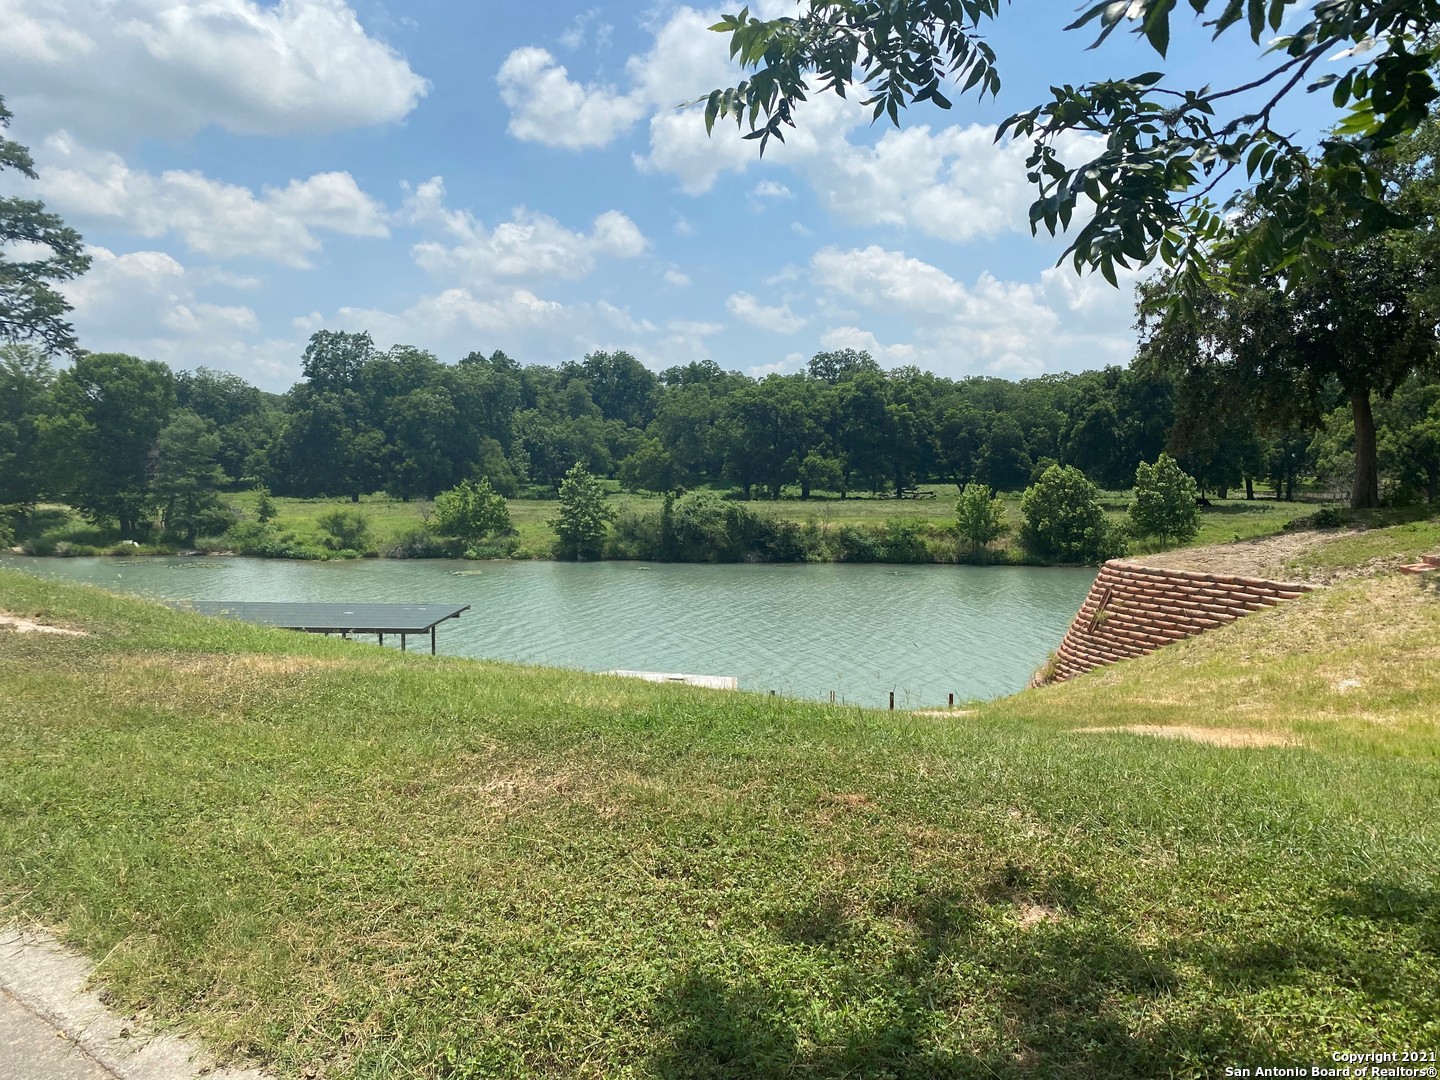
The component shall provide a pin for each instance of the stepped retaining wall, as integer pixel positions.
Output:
(1133, 610)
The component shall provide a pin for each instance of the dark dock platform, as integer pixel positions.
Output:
(343, 619)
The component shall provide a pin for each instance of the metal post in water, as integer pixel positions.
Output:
(952, 701)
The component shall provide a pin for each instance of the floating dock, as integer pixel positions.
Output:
(342, 619)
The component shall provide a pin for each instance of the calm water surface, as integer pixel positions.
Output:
(862, 631)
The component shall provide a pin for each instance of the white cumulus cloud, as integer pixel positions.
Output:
(117, 69)
(1009, 328)
(530, 245)
(548, 107)
(778, 320)
(210, 216)
(150, 304)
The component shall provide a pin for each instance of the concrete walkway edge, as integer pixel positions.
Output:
(45, 985)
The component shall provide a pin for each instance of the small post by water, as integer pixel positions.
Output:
(892, 700)
(832, 697)
(952, 701)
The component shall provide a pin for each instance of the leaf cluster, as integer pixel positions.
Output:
(1165, 150)
(903, 52)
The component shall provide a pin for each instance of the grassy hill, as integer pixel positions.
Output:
(349, 862)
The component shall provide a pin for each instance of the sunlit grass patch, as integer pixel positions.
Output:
(1393, 545)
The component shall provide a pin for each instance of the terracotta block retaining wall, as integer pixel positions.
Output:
(1133, 610)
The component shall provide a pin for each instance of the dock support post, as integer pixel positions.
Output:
(382, 639)
(432, 641)
(952, 701)
(892, 700)
(402, 642)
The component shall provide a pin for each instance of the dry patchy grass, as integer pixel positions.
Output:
(1327, 668)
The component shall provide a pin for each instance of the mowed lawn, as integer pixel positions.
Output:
(348, 862)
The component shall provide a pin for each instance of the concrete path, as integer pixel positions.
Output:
(53, 1028)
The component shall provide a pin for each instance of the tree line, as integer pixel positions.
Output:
(132, 444)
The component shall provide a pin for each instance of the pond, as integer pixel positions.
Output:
(861, 631)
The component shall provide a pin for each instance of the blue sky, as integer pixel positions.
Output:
(479, 176)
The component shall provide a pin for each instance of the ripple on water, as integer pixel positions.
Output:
(862, 631)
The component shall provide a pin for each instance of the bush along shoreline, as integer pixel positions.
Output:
(1062, 519)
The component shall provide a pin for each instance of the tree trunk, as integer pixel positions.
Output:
(1249, 489)
(1366, 492)
(1432, 484)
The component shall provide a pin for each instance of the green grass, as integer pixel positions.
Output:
(1396, 543)
(348, 862)
(391, 519)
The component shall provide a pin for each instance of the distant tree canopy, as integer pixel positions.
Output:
(129, 442)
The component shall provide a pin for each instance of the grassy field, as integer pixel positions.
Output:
(390, 519)
(348, 862)
(1233, 519)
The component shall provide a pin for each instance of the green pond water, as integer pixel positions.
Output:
(922, 632)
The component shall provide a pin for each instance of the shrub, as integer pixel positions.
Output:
(856, 543)
(1063, 519)
(501, 547)
(421, 543)
(636, 535)
(264, 540)
(979, 519)
(471, 511)
(779, 541)
(344, 530)
(904, 542)
(265, 506)
(702, 522)
(1165, 503)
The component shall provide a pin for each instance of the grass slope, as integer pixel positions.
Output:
(354, 863)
